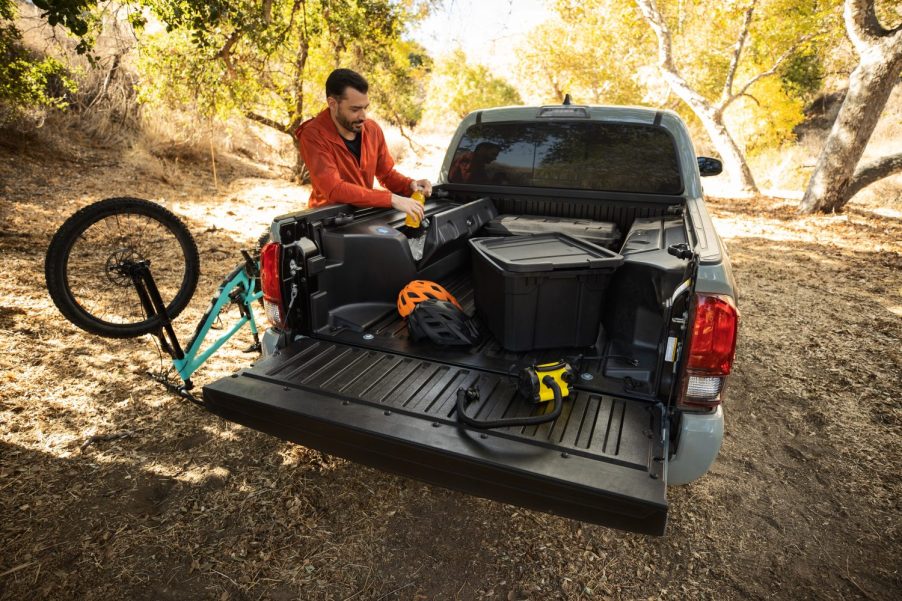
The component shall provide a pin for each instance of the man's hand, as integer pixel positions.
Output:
(407, 205)
(423, 185)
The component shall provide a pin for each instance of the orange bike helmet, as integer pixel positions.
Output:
(419, 290)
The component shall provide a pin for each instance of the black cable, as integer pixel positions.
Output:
(473, 393)
(158, 347)
(159, 351)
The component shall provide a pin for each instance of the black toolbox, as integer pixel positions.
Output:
(597, 232)
(541, 291)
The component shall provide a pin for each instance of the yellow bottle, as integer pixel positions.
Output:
(413, 221)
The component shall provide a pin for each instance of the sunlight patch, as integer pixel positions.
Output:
(886, 212)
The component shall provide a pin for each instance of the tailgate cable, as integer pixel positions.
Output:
(552, 381)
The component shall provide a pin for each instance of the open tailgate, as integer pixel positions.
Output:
(601, 461)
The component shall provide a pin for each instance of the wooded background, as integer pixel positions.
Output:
(749, 76)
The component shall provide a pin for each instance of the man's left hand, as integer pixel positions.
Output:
(423, 185)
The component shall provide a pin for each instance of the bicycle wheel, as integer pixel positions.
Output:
(88, 261)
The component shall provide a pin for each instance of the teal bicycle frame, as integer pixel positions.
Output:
(239, 288)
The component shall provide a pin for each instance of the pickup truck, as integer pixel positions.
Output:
(341, 374)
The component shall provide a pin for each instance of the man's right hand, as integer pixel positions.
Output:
(407, 205)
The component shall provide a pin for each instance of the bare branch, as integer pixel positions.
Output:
(679, 85)
(737, 51)
(755, 100)
(297, 118)
(650, 10)
(300, 63)
(267, 11)
(414, 146)
(106, 80)
(226, 52)
(872, 171)
(773, 69)
(268, 122)
(294, 10)
(552, 80)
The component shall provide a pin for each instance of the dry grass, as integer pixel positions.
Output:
(802, 503)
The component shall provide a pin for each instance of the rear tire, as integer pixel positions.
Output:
(84, 265)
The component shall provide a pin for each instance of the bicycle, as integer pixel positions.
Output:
(98, 273)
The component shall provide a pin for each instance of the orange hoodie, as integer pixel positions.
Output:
(334, 172)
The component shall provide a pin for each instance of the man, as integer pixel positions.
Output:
(470, 167)
(344, 151)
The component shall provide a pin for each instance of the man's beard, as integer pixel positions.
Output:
(353, 126)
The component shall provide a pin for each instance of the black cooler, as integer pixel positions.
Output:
(541, 291)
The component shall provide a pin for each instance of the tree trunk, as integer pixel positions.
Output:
(300, 173)
(733, 160)
(870, 85)
(710, 116)
(834, 179)
(712, 120)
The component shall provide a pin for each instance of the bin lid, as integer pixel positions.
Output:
(545, 252)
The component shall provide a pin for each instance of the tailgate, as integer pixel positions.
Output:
(598, 462)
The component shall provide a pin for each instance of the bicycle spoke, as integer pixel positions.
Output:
(96, 275)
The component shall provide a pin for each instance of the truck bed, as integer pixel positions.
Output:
(601, 460)
(388, 332)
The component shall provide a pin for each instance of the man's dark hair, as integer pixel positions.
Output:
(487, 146)
(340, 79)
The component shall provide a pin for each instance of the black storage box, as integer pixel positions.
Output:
(597, 232)
(541, 291)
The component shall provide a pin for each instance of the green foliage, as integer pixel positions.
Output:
(803, 74)
(458, 88)
(398, 83)
(602, 51)
(27, 81)
(175, 74)
(767, 119)
(593, 50)
(270, 60)
(807, 30)
(78, 16)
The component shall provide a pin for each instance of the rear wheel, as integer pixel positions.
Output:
(91, 257)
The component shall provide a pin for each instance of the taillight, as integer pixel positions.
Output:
(713, 340)
(712, 345)
(270, 259)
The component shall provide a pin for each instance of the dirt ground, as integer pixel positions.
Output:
(169, 502)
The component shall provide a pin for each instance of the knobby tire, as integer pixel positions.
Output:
(56, 265)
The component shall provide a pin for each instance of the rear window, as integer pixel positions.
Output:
(581, 155)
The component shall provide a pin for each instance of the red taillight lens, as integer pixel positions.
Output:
(713, 342)
(711, 349)
(270, 260)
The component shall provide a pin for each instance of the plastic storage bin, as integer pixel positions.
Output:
(541, 291)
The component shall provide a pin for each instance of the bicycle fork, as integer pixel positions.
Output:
(153, 306)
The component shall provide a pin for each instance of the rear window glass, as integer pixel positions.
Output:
(582, 155)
